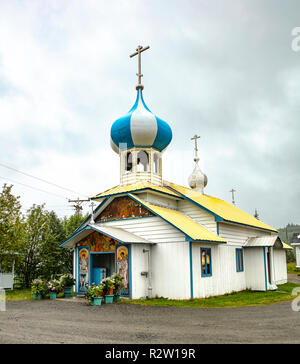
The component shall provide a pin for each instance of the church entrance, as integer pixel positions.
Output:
(103, 265)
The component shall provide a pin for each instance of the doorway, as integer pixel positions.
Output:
(103, 265)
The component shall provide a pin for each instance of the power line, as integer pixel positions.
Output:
(34, 188)
(41, 179)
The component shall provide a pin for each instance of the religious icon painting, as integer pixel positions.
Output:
(83, 270)
(123, 268)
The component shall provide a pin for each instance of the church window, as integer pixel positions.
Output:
(128, 162)
(206, 270)
(156, 163)
(239, 260)
(142, 162)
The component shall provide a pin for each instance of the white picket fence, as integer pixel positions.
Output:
(7, 280)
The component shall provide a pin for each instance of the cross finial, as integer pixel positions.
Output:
(138, 52)
(195, 138)
(232, 192)
(92, 221)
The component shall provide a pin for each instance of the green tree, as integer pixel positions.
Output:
(37, 231)
(11, 226)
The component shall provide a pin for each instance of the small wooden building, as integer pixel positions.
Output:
(168, 240)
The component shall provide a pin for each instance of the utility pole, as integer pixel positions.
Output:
(77, 204)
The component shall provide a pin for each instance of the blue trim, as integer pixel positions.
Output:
(239, 254)
(266, 278)
(130, 271)
(191, 270)
(218, 228)
(207, 252)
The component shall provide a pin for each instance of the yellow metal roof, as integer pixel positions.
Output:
(142, 185)
(181, 222)
(219, 207)
(286, 246)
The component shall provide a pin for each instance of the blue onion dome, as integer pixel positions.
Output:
(140, 128)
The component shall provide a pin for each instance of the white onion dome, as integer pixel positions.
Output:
(140, 128)
(197, 180)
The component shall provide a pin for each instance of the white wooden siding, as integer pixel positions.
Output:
(298, 256)
(153, 229)
(158, 200)
(280, 267)
(199, 215)
(255, 268)
(237, 235)
(170, 270)
(224, 279)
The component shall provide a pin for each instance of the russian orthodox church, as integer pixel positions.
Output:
(164, 239)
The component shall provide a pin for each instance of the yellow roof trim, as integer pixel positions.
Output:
(183, 223)
(137, 187)
(221, 208)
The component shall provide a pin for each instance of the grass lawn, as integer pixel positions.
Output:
(19, 295)
(291, 269)
(25, 295)
(236, 299)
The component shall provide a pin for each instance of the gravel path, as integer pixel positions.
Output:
(72, 321)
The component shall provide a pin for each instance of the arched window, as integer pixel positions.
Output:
(156, 163)
(128, 162)
(142, 162)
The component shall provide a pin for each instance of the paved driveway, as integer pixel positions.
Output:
(68, 321)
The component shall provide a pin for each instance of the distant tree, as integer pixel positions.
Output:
(37, 232)
(69, 226)
(11, 226)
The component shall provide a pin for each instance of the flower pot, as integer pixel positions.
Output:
(36, 296)
(109, 298)
(116, 298)
(96, 301)
(68, 292)
(52, 295)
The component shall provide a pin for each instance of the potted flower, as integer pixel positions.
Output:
(108, 289)
(67, 281)
(94, 294)
(54, 287)
(118, 283)
(38, 289)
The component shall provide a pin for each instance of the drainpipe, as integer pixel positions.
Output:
(149, 272)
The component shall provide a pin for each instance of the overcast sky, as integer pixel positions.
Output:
(223, 69)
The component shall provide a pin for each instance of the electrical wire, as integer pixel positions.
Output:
(41, 179)
(34, 188)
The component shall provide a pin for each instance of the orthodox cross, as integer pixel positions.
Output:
(232, 192)
(92, 221)
(195, 138)
(138, 52)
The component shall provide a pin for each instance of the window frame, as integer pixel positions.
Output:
(207, 251)
(239, 257)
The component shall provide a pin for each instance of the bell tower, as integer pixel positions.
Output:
(140, 137)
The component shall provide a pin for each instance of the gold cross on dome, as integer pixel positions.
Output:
(138, 52)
